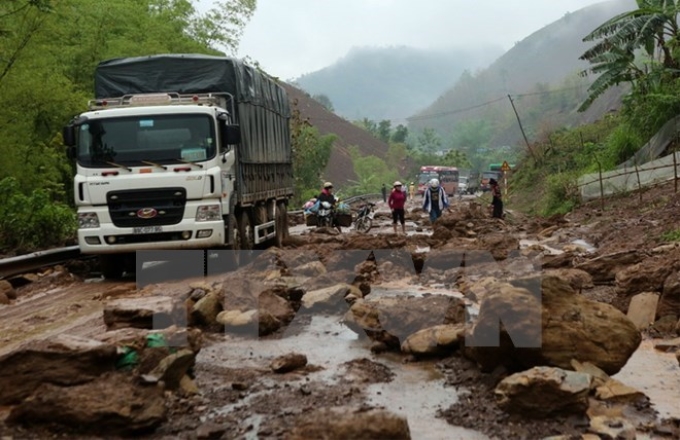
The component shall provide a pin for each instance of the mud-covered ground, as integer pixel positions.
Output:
(239, 396)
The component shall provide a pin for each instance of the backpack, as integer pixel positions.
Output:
(434, 196)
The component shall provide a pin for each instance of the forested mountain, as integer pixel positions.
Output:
(541, 73)
(391, 83)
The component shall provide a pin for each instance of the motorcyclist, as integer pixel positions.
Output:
(327, 196)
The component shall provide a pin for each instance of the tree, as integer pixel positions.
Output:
(325, 101)
(429, 141)
(400, 134)
(384, 130)
(652, 30)
(311, 153)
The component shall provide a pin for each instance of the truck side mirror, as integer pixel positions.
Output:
(69, 135)
(232, 134)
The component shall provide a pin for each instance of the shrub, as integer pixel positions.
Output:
(30, 222)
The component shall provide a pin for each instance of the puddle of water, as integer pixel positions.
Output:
(416, 392)
(656, 374)
(585, 245)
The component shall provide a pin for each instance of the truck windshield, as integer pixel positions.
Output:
(139, 139)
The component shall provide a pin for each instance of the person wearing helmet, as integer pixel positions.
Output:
(412, 191)
(396, 202)
(435, 200)
(327, 196)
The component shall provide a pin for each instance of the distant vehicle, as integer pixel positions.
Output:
(447, 176)
(486, 175)
(468, 184)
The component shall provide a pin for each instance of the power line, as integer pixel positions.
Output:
(452, 112)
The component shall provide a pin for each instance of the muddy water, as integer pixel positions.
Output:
(656, 374)
(416, 392)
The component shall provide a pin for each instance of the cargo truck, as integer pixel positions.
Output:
(180, 151)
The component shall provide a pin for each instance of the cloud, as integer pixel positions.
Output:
(293, 37)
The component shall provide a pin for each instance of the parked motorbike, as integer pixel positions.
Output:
(364, 220)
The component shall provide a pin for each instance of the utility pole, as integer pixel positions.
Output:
(521, 128)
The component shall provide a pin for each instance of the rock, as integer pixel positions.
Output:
(135, 338)
(7, 290)
(615, 391)
(172, 369)
(554, 328)
(345, 423)
(647, 276)
(598, 376)
(331, 298)
(4, 300)
(311, 269)
(237, 318)
(677, 356)
(206, 309)
(188, 385)
(612, 427)
(544, 391)
(677, 328)
(288, 362)
(149, 312)
(440, 339)
(276, 306)
(62, 360)
(665, 325)
(578, 279)
(670, 345)
(111, 404)
(669, 303)
(392, 320)
(604, 268)
(564, 260)
(500, 245)
(642, 309)
(210, 431)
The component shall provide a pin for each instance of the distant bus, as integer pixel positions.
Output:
(447, 176)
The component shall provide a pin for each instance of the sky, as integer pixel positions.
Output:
(290, 38)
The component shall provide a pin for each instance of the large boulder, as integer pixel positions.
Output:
(669, 303)
(647, 276)
(392, 320)
(544, 391)
(604, 268)
(113, 404)
(550, 329)
(62, 360)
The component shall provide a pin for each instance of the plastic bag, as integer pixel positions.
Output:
(156, 340)
(128, 360)
(343, 208)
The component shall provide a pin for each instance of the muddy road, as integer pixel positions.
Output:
(352, 336)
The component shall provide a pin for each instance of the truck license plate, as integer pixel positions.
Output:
(147, 229)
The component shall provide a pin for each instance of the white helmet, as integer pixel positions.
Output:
(434, 183)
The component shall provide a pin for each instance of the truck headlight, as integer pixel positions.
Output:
(88, 220)
(208, 213)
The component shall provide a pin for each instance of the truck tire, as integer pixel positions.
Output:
(282, 232)
(111, 266)
(245, 229)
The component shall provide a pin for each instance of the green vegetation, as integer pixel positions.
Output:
(672, 236)
(48, 51)
(28, 222)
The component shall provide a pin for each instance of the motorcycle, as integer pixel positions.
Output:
(364, 220)
(325, 215)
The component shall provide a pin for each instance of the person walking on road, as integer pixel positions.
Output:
(497, 201)
(396, 202)
(435, 200)
(412, 191)
(384, 192)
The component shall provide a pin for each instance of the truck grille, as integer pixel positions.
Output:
(146, 207)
